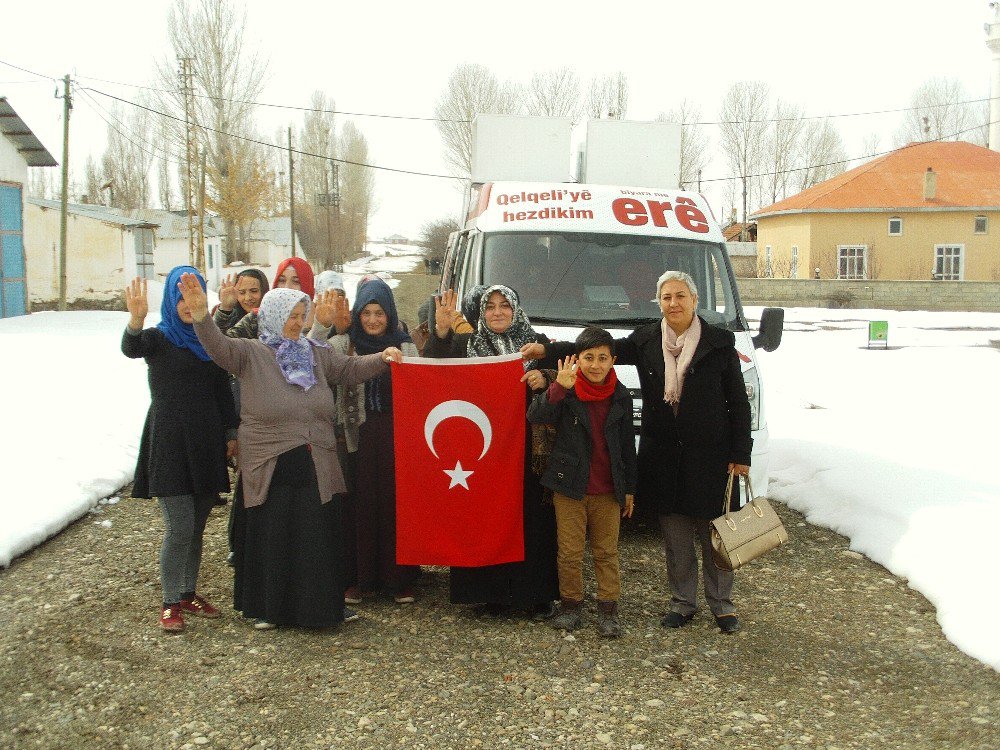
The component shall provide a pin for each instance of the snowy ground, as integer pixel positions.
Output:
(890, 448)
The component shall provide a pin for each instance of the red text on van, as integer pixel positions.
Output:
(636, 213)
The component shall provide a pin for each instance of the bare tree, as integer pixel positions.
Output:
(694, 141)
(553, 93)
(314, 177)
(781, 149)
(434, 235)
(92, 181)
(164, 186)
(126, 164)
(607, 97)
(871, 146)
(941, 110)
(822, 155)
(471, 90)
(228, 78)
(357, 191)
(742, 133)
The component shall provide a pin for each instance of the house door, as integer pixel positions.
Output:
(13, 286)
(144, 253)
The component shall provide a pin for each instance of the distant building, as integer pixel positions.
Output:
(927, 210)
(396, 239)
(19, 149)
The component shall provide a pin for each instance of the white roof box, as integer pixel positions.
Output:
(626, 152)
(515, 147)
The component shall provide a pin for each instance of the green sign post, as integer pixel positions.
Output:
(878, 333)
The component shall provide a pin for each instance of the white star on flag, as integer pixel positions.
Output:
(458, 476)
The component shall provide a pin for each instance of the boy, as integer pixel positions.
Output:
(592, 473)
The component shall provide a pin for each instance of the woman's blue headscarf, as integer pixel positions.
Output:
(377, 291)
(178, 333)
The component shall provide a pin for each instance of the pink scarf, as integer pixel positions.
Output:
(678, 351)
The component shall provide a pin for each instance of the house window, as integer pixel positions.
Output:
(794, 272)
(981, 225)
(852, 262)
(768, 266)
(948, 262)
(895, 226)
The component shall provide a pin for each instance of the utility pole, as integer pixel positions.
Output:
(291, 189)
(191, 152)
(326, 200)
(201, 220)
(64, 207)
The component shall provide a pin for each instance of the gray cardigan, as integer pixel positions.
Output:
(277, 416)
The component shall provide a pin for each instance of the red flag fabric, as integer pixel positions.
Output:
(459, 436)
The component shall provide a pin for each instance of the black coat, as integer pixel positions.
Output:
(183, 445)
(568, 468)
(683, 459)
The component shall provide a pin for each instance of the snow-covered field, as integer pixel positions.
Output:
(893, 449)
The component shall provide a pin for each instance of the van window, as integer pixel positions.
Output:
(588, 277)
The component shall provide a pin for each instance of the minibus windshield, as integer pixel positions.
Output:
(577, 278)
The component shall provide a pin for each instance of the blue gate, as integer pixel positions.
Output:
(13, 287)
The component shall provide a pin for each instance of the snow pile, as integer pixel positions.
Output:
(895, 449)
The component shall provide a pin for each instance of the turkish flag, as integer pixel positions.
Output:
(459, 436)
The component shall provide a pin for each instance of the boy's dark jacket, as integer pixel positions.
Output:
(568, 469)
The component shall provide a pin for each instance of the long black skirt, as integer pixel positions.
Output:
(289, 551)
(524, 584)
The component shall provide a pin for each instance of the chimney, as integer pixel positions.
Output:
(930, 185)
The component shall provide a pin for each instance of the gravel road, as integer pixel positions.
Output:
(836, 653)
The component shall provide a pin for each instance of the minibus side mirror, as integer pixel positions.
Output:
(772, 322)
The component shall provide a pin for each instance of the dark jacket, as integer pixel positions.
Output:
(568, 468)
(683, 459)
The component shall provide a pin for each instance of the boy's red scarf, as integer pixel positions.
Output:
(587, 391)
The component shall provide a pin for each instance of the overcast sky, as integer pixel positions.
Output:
(395, 58)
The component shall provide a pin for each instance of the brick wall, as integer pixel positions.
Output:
(973, 296)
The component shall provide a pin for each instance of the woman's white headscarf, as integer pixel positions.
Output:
(295, 356)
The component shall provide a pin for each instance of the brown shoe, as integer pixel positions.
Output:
(171, 619)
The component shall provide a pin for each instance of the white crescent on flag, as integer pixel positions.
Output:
(466, 410)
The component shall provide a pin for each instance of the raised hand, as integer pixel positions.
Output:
(194, 296)
(445, 312)
(342, 316)
(228, 299)
(566, 375)
(326, 308)
(137, 302)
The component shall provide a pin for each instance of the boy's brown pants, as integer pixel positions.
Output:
(600, 517)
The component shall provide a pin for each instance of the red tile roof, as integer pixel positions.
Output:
(967, 176)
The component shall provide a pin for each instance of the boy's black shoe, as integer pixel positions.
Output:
(675, 619)
(728, 623)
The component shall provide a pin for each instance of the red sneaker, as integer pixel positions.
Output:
(199, 607)
(171, 619)
(352, 595)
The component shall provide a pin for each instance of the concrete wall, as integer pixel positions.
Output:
(13, 167)
(97, 264)
(908, 256)
(973, 296)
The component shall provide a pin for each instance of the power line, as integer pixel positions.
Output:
(271, 145)
(95, 107)
(834, 115)
(855, 158)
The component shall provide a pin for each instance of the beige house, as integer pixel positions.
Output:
(927, 210)
(103, 251)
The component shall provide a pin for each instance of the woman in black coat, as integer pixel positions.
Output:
(695, 431)
(532, 585)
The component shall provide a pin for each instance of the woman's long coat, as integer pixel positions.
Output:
(683, 459)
